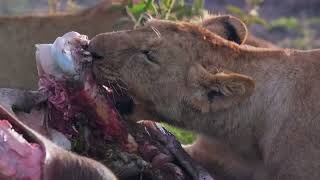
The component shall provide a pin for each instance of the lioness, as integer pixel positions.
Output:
(257, 109)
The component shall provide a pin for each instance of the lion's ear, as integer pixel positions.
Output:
(228, 27)
(214, 92)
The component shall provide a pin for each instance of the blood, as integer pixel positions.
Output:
(67, 99)
(19, 159)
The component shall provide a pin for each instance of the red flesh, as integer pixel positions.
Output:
(19, 159)
(87, 98)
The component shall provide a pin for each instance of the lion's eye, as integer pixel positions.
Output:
(150, 56)
(213, 94)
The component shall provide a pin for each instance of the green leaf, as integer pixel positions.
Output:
(154, 11)
(185, 137)
(236, 10)
(255, 2)
(197, 6)
(285, 23)
(138, 9)
(166, 3)
(173, 18)
(313, 20)
(172, 3)
(149, 5)
(166, 9)
(258, 20)
(129, 3)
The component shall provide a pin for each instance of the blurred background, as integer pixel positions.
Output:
(287, 23)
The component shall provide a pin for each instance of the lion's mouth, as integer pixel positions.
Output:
(118, 93)
(120, 99)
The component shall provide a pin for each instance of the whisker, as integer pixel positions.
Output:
(119, 84)
(119, 88)
(114, 100)
(122, 87)
(156, 31)
(115, 90)
(125, 88)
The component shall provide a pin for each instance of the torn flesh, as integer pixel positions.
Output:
(19, 159)
(66, 76)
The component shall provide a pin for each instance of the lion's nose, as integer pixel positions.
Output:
(96, 47)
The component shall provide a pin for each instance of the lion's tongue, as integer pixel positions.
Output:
(19, 159)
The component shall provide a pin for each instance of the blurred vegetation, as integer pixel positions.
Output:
(165, 9)
(185, 137)
(20, 7)
(298, 32)
(54, 6)
(13, 7)
(305, 35)
(284, 23)
(249, 15)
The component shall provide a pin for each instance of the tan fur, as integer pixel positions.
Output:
(252, 40)
(257, 109)
(20, 34)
